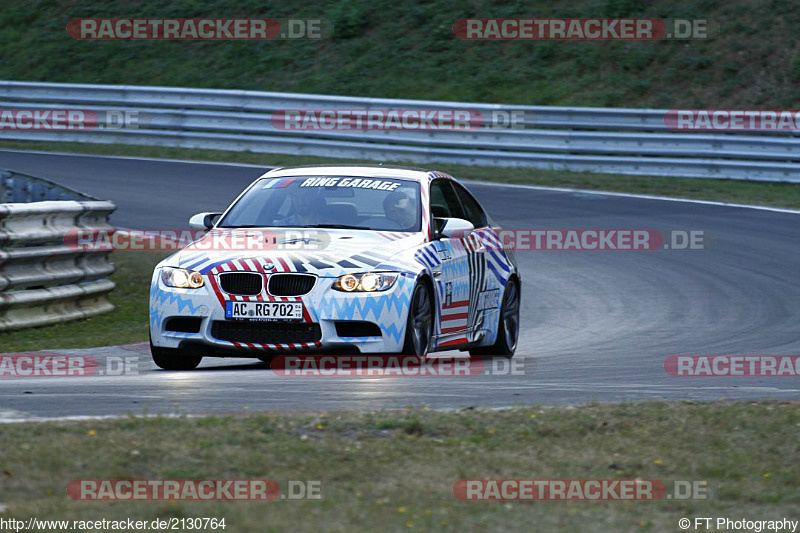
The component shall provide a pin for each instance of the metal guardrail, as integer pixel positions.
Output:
(623, 141)
(42, 279)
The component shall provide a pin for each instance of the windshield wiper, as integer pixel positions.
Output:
(239, 226)
(325, 226)
(336, 226)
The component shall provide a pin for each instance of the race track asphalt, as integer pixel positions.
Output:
(597, 325)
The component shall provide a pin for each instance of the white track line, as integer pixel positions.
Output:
(639, 196)
(13, 418)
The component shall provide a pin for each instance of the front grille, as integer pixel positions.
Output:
(357, 328)
(266, 332)
(290, 284)
(183, 324)
(243, 283)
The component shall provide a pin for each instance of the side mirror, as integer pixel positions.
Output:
(204, 220)
(453, 228)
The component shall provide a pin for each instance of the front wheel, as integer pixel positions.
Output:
(508, 326)
(419, 326)
(174, 358)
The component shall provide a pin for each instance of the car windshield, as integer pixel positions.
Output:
(370, 203)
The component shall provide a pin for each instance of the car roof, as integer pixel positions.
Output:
(387, 171)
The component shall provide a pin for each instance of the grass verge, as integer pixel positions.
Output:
(394, 471)
(721, 190)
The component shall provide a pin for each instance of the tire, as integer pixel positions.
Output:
(419, 325)
(174, 358)
(508, 326)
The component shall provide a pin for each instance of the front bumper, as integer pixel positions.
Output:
(324, 306)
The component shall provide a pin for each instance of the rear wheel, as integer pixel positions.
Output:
(508, 326)
(174, 358)
(419, 326)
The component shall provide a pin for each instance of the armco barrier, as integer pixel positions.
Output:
(42, 280)
(620, 141)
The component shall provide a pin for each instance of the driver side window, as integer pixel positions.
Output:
(444, 202)
(472, 210)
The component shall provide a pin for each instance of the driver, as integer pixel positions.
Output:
(307, 205)
(400, 209)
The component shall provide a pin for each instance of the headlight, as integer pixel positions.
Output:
(369, 282)
(181, 278)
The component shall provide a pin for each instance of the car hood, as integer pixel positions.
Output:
(325, 252)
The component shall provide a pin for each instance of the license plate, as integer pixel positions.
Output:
(264, 310)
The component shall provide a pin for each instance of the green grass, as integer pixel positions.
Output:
(733, 191)
(126, 324)
(394, 471)
(383, 48)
